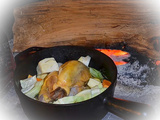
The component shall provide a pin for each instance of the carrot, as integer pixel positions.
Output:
(106, 83)
(38, 79)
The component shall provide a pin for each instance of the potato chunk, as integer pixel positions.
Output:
(47, 65)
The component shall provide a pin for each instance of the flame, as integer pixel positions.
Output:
(115, 53)
(110, 52)
(120, 62)
(158, 62)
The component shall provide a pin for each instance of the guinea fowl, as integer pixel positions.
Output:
(71, 74)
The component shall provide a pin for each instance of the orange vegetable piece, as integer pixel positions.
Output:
(38, 79)
(106, 83)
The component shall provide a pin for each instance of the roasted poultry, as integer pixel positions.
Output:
(59, 83)
(47, 87)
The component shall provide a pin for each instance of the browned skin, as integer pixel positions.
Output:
(47, 87)
(58, 84)
(57, 94)
(72, 73)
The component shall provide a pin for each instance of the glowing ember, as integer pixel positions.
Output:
(158, 62)
(115, 55)
(110, 52)
(120, 62)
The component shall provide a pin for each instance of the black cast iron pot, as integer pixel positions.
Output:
(93, 109)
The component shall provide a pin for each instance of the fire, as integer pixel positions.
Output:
(114, 54)
(110, 52)
(120, 62)
(158, 62)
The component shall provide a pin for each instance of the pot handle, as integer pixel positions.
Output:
(129, 110)
(26, 53)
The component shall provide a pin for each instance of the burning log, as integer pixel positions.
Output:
(88, 23)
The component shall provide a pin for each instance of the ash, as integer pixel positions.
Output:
(133, 74)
